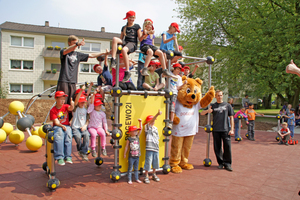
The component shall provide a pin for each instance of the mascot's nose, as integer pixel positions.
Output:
(193, 96)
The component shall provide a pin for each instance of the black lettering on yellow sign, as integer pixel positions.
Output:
(128, 111)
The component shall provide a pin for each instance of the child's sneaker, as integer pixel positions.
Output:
(280, 142)
(130, 182)
(94, 154)
(69, 160)
(167, 73)
(287, 144)
(144, 72)
(61, 162)
(126, 77)
(104, 152)
(138, 181)
(146, 180)
(80, 154)
(85, 157)
(155, 178)
(113, 63)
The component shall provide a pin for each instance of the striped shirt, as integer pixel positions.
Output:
(152, 138)
(97, 118)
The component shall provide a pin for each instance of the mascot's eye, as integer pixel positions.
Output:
(188, 90)
(195, 91)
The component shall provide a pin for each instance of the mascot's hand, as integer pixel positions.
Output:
(176, 120)
(211, 91)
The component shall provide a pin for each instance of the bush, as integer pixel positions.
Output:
(54, 71)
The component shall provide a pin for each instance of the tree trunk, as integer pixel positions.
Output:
(267, 101)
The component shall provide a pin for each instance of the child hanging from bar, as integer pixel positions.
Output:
(148, 48)
(130, 33)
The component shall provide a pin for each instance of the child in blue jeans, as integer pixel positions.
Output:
(152, 147)
(236, 121)
(59, 114)
(133, 143)
(291, 121)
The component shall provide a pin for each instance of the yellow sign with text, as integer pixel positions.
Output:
(133, 108)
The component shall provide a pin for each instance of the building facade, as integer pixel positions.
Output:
(30, 58)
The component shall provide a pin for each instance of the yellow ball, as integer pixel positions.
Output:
(16, 106)
(8, 128)
(34, 142)
(35, 131)
(16, 136)
(42, 134)
(2, 136)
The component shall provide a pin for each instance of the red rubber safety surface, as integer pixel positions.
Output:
(262, 169)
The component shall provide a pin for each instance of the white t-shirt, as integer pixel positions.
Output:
(189, 120)
(174, 83)
(79, 117)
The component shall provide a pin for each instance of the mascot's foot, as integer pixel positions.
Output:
(187, 166)
(176, 169)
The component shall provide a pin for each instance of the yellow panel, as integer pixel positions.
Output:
(49, 155)
(133, 108)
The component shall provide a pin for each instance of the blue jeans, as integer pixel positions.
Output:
(133, 161)
(251, 128)
(236, 128)
(152, 158)
(62, 142)
(291, 127)
(78, 134)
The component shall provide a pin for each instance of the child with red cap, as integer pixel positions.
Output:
(152, 80)
(130, 33)
(97, 125)
(80, 123)
(128, 85)
(148, 48)
(62, 143)
(187, 70)
(152, 147)
(168, 41)
(133, 143)
(175, 85)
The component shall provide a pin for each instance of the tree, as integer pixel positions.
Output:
(252, 41)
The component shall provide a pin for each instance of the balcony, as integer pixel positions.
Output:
(46, 76)
(48, 53)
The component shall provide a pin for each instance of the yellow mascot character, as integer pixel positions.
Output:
(186, 121)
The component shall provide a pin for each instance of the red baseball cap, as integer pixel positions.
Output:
(97, 102)
(82, 99)
(175, 25)
(98, 96)
(180, 47)
(152, 63)
(177, 65)
(60, 94)
(149, 21)
(78, 90)
(158, 63)
(148, 119)
(95, 67)
(129, 14)
(186, 67)
(133, 128)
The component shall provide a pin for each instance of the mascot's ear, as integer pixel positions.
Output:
(198, 80)
(183, 78)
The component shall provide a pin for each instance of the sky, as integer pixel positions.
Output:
(89, 14)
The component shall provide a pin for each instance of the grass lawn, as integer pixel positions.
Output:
(265, 112)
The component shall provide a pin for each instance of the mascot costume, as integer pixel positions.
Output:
(186, 121)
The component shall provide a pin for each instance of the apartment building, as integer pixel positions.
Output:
(30, 59)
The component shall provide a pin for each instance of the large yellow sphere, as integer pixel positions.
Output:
(8, 128)
(42, 134)
(16, 136)
(34, 142)
(16, 106)
(35, 131)
(2, 136)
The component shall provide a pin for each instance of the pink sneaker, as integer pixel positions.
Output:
(130, 182)
(138, 181)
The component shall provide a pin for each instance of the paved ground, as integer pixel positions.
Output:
(262, 170)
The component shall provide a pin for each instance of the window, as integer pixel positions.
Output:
(22, 41)
(91, 47)
(21, 64)
(59, 44)
(21, 88)
(88, 68)
(55, 66)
